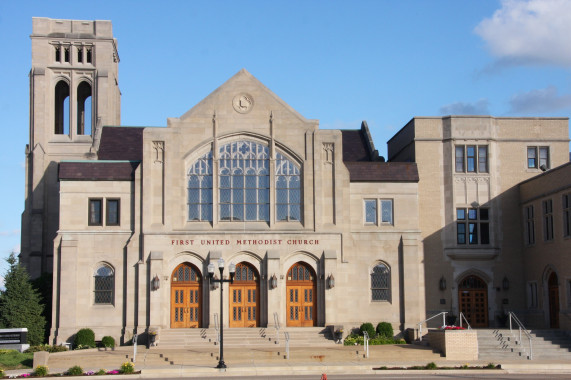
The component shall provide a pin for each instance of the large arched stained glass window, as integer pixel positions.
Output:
(288, 189)
(200, 189)
(244, 179)
(244, 185)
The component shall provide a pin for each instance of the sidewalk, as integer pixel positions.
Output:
(163, 362)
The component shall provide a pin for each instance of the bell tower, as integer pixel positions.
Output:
(74, 91)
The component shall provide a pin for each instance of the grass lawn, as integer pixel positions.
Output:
(12, 359)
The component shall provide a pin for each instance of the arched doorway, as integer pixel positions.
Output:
(553, 285)
(186, 290)
(301, 293)
(473, 300)
(245, 296)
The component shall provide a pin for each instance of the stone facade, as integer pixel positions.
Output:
(322, 230)
(485, 269)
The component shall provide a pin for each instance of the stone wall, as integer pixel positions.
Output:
(455, 344)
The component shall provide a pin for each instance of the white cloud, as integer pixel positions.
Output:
(529, 32)
(10, 232)
(536, 101)
(460, 108)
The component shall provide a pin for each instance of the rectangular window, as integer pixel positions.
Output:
(58, 53)
(532, 295)
(529, 225)
(471, 158)
(387, 211)
(472, 226)
(370, 211)
(538, 157)
(548, 220)
(95, 212)
(459, 158)
(566, 215)
(113, 212)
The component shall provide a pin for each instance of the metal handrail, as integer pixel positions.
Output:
(428, 319)
(366, 343)
(286, 334)
(465, 320)
(277, 327)
(521, 328)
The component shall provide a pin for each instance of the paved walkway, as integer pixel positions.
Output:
(337, 359)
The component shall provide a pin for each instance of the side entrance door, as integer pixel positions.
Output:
(185, 297)
(244, 297)
(473, 301)
(301, 292)
(553, 284)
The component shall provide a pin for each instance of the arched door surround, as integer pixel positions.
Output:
(245, 297)
(301, 302)
(473, 300)
(186, 291)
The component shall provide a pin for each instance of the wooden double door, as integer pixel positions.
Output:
(186, 291)
(553, 286)
(473, 301)
(301, 296)
(245, 297)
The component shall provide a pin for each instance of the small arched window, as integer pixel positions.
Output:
(381, 283)
(104, 278)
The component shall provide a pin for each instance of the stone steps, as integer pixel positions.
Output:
(501, 343)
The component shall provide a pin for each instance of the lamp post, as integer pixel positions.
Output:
(221, 281)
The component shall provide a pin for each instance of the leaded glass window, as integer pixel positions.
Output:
(244, 180)
(381, 283)
(288, 189)
(200, 189)
(104, 278)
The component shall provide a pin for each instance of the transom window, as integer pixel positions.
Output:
(104, 278)
(243, 179)
(471, 158)
(472, 226)
(381, 283)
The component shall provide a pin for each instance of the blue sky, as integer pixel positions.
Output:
(337, 61)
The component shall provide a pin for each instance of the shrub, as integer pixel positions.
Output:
(84, 338)
(368, 327)
(127, 367)
(75, 371)
(431, 365)
(2, 374)
(41, 371)
(101, 372)
(46, 347)
(385, 329)
(108, 341)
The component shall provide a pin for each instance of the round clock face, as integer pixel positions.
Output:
(243, 103)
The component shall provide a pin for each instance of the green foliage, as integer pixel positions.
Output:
(127, 367)
(385, 329)
(20, 304)
(74, 371)
(46, 347)
(2, 373)
(101, 372)
(41, 371)
(85, 338)
(490, 366)
(44, 285)
(13, 359)
(355, 339)
(108, 341)
(368, 327)
(431, 365)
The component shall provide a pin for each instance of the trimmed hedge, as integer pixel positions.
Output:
(368, 327)
(385, 329)
(108, 342)
(84, 338)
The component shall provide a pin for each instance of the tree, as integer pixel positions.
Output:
(20, 303)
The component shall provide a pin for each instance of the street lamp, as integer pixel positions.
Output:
(221, 281)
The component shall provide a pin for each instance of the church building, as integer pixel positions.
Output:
(321, 230)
